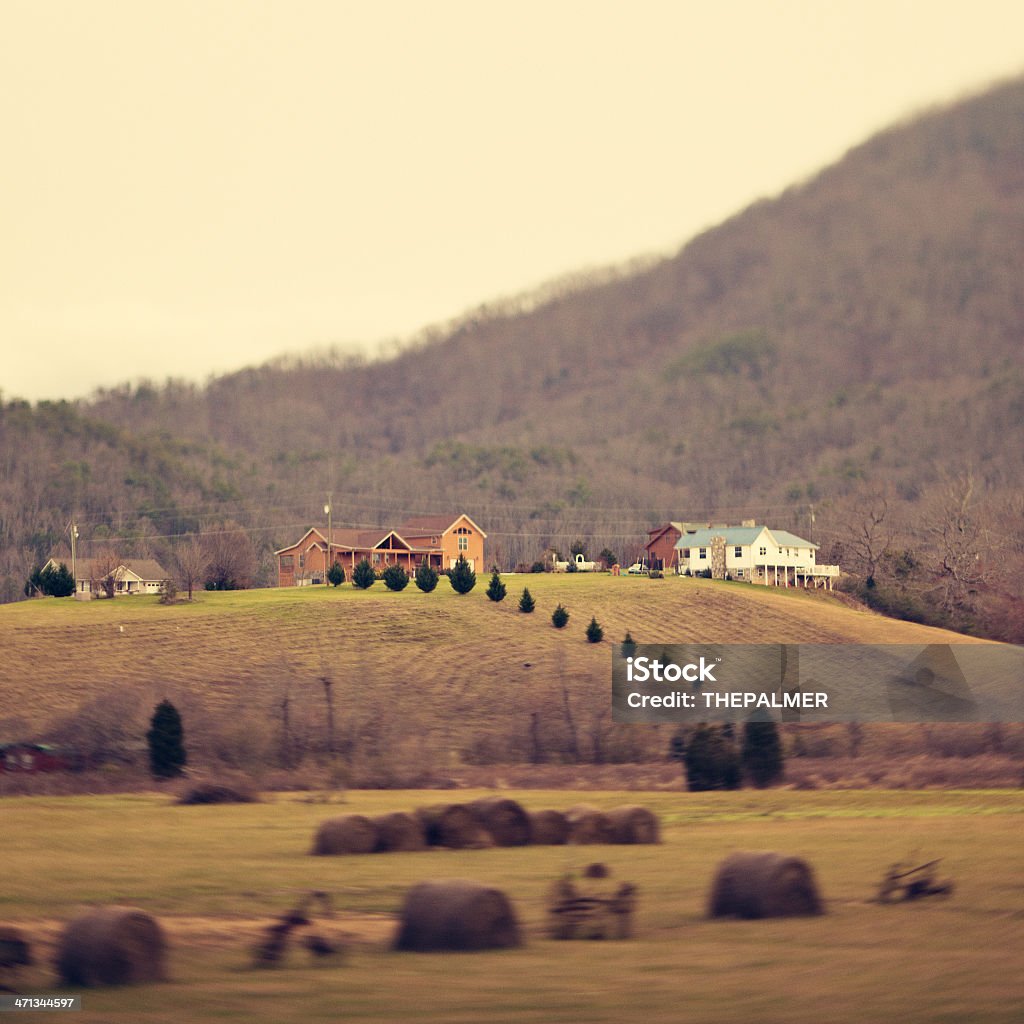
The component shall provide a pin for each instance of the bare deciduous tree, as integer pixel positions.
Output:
(192, 563)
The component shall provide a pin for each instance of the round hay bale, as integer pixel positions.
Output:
(217, 793)
(548, 828)
(111, 946)
(507, 822)
(15, 950)
(632, 823)
(588, 825)
(454, 826)
(399, 832)
(756, 885)
(351, 833)
(455, 914)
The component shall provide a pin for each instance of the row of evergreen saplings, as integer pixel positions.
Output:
(489, 821)
(559, 617)
(461, 576)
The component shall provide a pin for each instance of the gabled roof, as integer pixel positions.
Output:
(733, 535)
(741, 536)
(424, 526)
(678, 527)
(791, 540)
(147, 569)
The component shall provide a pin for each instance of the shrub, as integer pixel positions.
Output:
(168, 592)
(426, 577)
(496, 590)
(608, 557)
(166, 736)
(461, 576)
(559, 617)
(363, 575)
(336, 575)
(761, 752)
(526, 602)
(395, 578)
(537, 567)
(595, 634)
(710, 761)
(628, 645)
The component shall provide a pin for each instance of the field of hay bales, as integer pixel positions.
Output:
(428, 681)
(215, 876)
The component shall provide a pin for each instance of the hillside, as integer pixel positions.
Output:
(859, 334)
(417, 680)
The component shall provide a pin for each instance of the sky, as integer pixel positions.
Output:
(195, 187)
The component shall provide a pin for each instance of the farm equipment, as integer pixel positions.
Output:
(902, 882)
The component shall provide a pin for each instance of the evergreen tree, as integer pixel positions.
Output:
(336, 574)
(595, 634)
(628, 645)
(426, 577)
(526, 602)
(559, 617)
(608, 557)
(57, 582)
(496, 590)
(761, 752)
(363, 575)
(710, 761)
(462, 578)
(166, 743)
(395, 578)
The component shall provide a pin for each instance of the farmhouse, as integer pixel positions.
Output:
(133, 576)
(752, 553)
(437, 541)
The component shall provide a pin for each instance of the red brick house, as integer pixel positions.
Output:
(436, 540)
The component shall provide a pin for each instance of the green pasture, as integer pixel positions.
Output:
(215, 875)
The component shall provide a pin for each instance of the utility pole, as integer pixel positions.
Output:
(74, 554)
(328, 509)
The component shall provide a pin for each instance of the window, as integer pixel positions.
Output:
(376, 557)
(762, 551)
(738, 551)
(463, 543)
(702, 553)
(287, 563)
(302, 561)
(739, 574)
(686, 553)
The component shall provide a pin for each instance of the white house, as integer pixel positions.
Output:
(755, 554)
(134, 576)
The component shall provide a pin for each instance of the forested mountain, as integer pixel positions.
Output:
(847, 352)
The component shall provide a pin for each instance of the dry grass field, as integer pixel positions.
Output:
(216, 875)
(223, 646)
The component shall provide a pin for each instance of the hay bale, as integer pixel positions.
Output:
(350, 833)
(454, 826)
(588, 825)
(548, 828)
(399, 832)
(15, 950)
(756, 885)
(217, 793)
(632, 823)
(507, 822)
(455, 914)
(111, 946)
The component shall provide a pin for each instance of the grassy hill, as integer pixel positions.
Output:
(857, 335)
(416, 680)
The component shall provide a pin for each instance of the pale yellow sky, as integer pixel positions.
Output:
(194, 187)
